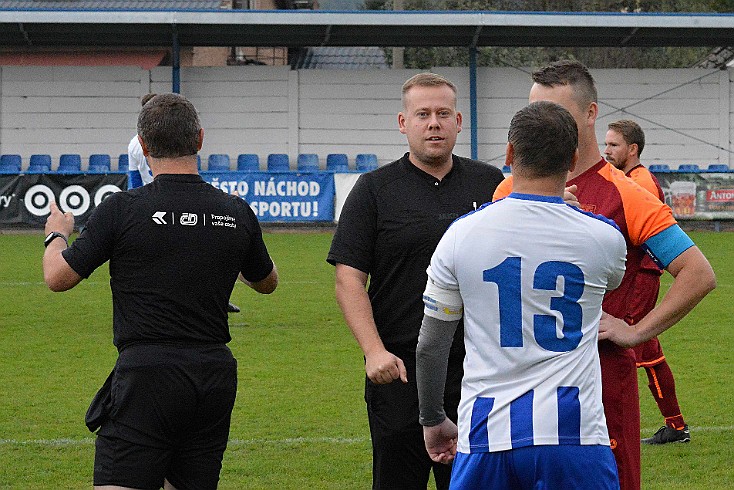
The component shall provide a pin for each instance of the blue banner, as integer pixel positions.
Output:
(281, 196)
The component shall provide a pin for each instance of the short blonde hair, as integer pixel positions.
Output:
(426, 80)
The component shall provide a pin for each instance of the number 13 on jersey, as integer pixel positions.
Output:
(508, 278)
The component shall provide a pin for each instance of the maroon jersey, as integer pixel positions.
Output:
(605, 190)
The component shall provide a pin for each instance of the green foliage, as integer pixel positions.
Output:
(299, 420)
(593, 57)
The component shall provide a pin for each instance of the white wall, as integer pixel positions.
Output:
(685, 113)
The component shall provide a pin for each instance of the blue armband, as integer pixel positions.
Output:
(667, 245)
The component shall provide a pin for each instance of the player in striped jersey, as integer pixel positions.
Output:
(647, 224)
(624, 142)
(531, 414)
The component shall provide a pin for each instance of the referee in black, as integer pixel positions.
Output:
(388, 229)
(175, 249)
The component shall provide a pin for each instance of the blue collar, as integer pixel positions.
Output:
(536, 197)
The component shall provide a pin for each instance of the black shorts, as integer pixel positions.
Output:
(169, 417)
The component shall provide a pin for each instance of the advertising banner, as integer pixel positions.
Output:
(281, 196)
(699, 196)
(26, 198)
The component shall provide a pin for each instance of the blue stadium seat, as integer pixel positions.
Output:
(308, 162)
(278, 162)
(218, 162)
(718, 167)
(10, 164)
(70, 163)
(366, 162)
(248, 162)
(337, 162)
(39, 164)
(123, 163)
(99, 163)
(659, 168)
(506, 169)
(689, 168)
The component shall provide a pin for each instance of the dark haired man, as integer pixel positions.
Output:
(647, 224)
(176, 247)
(139, 173)
(531, 413)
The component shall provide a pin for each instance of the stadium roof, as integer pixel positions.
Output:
(344, 58)
(110, 4)
(138, 28)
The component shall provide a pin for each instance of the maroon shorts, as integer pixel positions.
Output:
(622, 410)
(649, 353)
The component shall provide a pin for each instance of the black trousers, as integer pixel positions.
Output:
(399, 456)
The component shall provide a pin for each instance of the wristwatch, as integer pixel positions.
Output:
(53, 236)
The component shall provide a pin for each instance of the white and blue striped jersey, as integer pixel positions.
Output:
(531, 273)
(139, 172)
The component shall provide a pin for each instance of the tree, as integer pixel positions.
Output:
(593, 57)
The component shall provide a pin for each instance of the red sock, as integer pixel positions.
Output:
(662, 387)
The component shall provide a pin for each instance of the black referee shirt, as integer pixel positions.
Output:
(389, 227)
(175, 248)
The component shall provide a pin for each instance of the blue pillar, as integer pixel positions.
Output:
(473, 101)
(176, 62)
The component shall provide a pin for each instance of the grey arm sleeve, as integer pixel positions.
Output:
(432, 359)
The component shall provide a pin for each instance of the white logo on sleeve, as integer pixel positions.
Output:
(158, 218)
(188, 219)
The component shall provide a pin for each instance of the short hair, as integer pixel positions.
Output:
(544, 137)
(169, 126)
(631, 132)
(569, 72)
(426, 80)
(145, 98)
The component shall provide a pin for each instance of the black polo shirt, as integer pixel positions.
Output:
(175, 248)
(389, 227)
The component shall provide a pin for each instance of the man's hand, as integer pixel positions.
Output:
(58, 221)
(618, 331)
(569, 196)
(383, 367)
(441, 441)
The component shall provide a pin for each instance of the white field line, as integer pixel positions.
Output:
(279, 442)
(106, 283)
(88, 441)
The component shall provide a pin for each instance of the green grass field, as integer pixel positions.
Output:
(299, 420)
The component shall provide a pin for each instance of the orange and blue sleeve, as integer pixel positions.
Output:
(650, 222)
(645, 214)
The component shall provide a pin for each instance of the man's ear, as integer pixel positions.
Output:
(574, 161)
(633, 150)
(509, 154)
(201, 139)
(401, 122)
(458, 122)
(592, 113)
(142, 145)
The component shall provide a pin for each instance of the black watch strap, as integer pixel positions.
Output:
(53, 236)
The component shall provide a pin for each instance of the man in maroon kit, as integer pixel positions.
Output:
(624, 143)
(648, 225)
